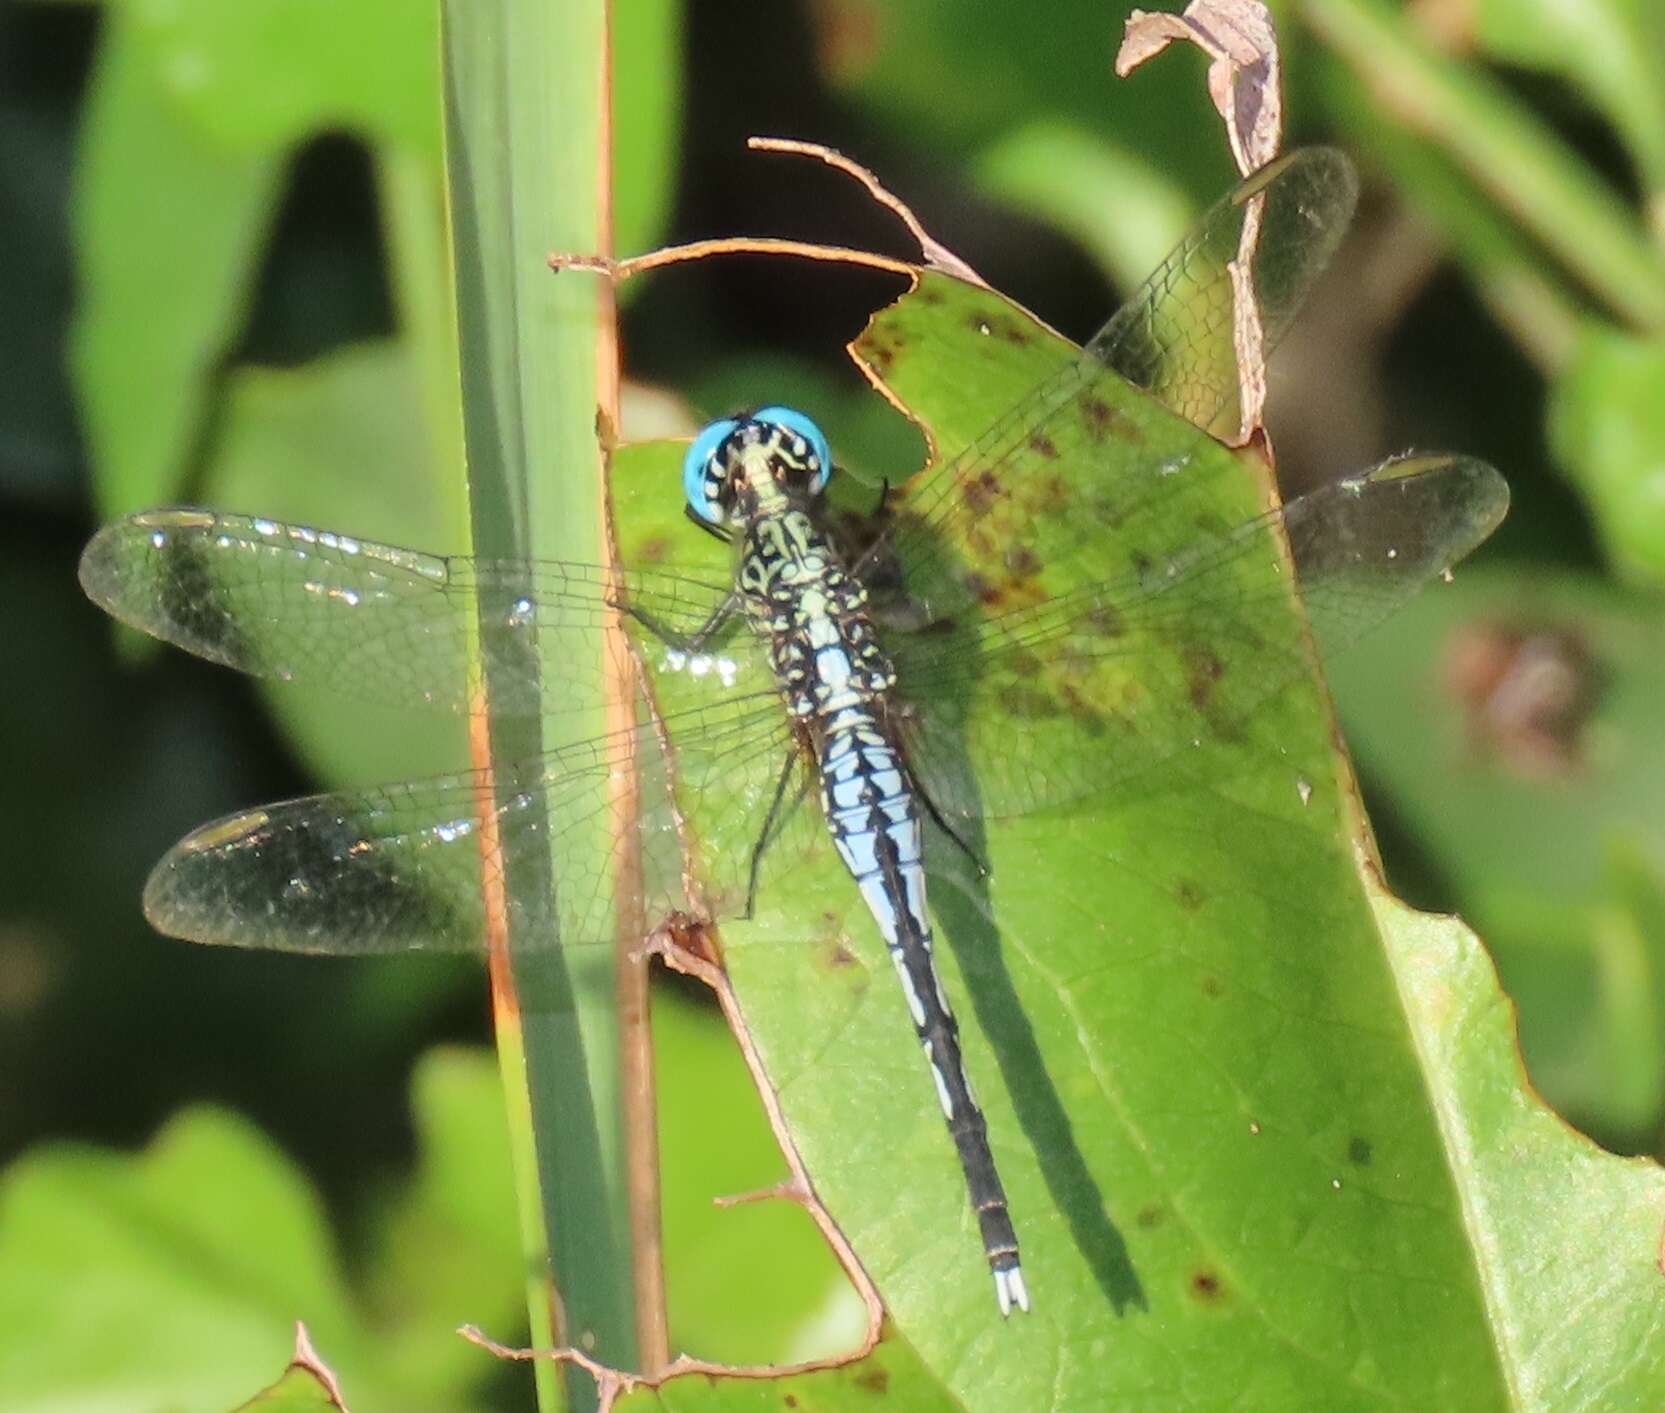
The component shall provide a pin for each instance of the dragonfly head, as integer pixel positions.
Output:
(738, 462)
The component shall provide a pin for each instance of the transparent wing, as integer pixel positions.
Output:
(412, 867)
(382, 623)
(1080, 692)
(1087, 455)
(1173, 338)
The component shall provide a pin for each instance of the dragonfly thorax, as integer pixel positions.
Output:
(811, 614)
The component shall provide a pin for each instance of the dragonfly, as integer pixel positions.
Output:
(851, 682)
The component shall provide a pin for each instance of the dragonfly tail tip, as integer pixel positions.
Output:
(1010, 1290)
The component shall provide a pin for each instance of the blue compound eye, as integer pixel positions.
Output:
(795, 421)
(702, 478)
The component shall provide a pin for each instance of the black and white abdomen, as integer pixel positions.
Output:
(834, 678)
(865, 792)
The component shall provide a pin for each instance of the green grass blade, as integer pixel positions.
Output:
(526, 94)
(1506, 150)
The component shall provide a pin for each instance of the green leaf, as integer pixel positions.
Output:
(1565, 1237)
(173, 1278)
(1244, 1165)
(1563, 911)
(1607, 429)
(715, 1143)
(167, 226)
(264, 74)
(195, 110)
(166, 1279)
(449, 1249)
(267, 74)
(302, 1389)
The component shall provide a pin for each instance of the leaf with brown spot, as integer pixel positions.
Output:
(1205, 1286)
(1175, 994)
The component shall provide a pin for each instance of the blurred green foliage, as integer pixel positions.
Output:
(210, 1242)
(247, 286)
(1545, 825)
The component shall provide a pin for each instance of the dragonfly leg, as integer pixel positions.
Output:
(948, 829)
(772, 823)
(699, 522)
(687, 642)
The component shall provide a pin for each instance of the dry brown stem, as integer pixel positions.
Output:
(1245, 84)
(933, 255)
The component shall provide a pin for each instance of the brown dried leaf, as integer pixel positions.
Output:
(1245, 79)
(1245, 83)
